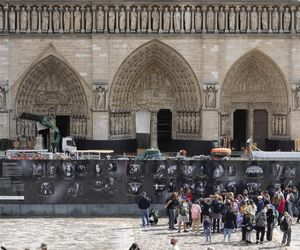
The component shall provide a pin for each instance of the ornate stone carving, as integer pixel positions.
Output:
(279, 125)
(155, 19)
(166, 19)
(243, 20)
(253, 18)
(34, 19)
(77, 19)
(176, 17)
(188, 123)
(122, 19)
(232, 20)
(100, 19)
(111, 19)
(55, 19)
(100, 98)
(210, 19)
(120, 124)
(1, 19)
(2, 98)
(275, 20)
(133, 19)
(297, 15)
(297, 97)
(67, 20)
(23, 19)
(144, 19)
(45, 19)
(187, 19)
(221, 19)
(264, 19)
(88, 20)
(12, 19)
(198, 20)
(225, 124)
(210, 99)
(286, 20)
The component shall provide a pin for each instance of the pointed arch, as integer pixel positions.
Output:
(155, 56)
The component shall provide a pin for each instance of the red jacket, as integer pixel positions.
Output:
(281, 206)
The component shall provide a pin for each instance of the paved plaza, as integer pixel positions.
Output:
(115, 233)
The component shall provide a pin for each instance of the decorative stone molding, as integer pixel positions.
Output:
(130, 17)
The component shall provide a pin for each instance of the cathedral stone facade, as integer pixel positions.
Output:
(213, 68)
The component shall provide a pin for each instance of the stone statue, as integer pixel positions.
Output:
(166, 19)
(45, 19)
(176, 17)
(12, 19)
(253, 17)
(67, 19)
(243, 20)
(155, 19)
(55, 17)
(23, 17)
(1, 99)
(297, 15)
(232, 20)
(210, 98)
(1, 19)
(221, 19)
(210, 19)
(286, 20)
(264, 19)
(122, 19)
(77, 19)
(198, 19)
(111, 19)
(100, 19)
(144, 19)
(34, 19)
(100, 99)
(275, 19)
(297, 98)
(187, 19)
(133, 19)
(88, 20)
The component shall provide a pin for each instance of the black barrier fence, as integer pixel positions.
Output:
(119, 182)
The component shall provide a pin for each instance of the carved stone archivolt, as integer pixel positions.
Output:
(156, 77)
(255, 82)
(103, 18)
(51, 88)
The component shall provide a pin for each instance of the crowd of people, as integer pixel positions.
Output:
(253, 213)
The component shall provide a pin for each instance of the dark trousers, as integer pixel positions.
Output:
(298, 218)
(287, 236)
(270, 228)
(171, 214)
(216, 223)
(260, 231)
(244, 233)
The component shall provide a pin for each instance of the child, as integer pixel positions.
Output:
(207, 228)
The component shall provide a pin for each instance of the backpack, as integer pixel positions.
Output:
(284, 226)
(182, 210)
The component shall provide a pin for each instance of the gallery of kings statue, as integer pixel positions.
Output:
(166, 74)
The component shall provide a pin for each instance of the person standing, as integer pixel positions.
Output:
(183, 215)
(229, 221)
(286, 228)
(270, 220)
(207, 228)
(196, 214)
(171, 204)
(261, 221)
(144, 204)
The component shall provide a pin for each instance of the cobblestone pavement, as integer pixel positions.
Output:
(115, 233)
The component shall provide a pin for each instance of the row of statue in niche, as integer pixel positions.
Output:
(115, 19)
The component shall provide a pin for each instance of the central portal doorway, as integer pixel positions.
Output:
(164, 130)
(240, 122)
(63, 124)
(260, 128)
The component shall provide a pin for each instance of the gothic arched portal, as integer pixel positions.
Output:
(51, 88)
(254, 90)
(155, 77)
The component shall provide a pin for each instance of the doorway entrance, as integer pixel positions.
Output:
(63, 124)
(260, 128)
(240, 122)
(164, 130)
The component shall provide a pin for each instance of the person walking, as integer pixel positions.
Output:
(171, 205)
(207, 228)
(270, 220)
(261, 222)
(286, 228)
(228, 219)
(183, 214)
(196, 214)
(144, 204)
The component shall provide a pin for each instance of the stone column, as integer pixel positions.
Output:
(293, 19)
(39, 10)
(193, 20)
(237, 20)
(160, 20)
(138, 19)
(72, 20)
(82, 20)
(117, 30)
(216, 9)
(149, 20)
(171, 21)
(204, 8)
(94, 19)
(50, 19)
(270, 19)
(18, 19)
(105, 19)
(28, 19)
(226, 19)
(61, 15)
(248, 19)
(259, 19)
(182, 19)
(153, 128)
(251, 120)
(128, 19)
(281, 9)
